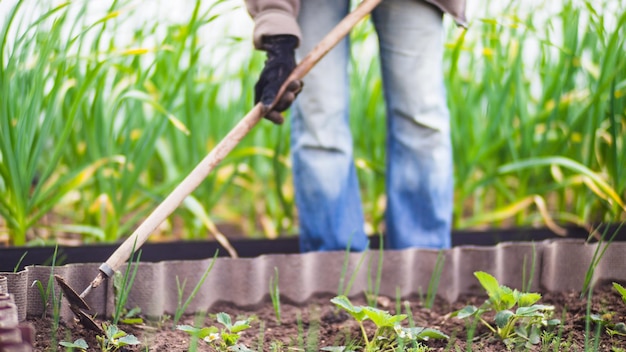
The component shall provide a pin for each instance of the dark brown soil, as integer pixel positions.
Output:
(316, 325)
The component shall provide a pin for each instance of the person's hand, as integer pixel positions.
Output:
(278, 66)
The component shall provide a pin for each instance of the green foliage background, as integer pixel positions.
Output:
(102, 115)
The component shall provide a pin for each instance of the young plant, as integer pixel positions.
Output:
(371, 294)
(597, 257)
(122, 284)
(47, 294)
(275, 295)
(224, 339)
(608, 320)
(520, 327)
(19, 262)
(182, 307)
(433, 284)
(114, 338)
(79, 344)
(389, 334)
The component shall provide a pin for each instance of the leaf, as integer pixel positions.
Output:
(128, 340)
(344, 303)
(503, 317)
(200, 333)
(382, 318)
(622, 291)
(424, 334)
(142, 96)
(240, 325)
(505, 298)
(533, 311)
(240, 348)
(93, 231)
(488, 282)
(535, 335)
(528, 299)
(131, 321)
(466, 312)
(224, 319)
(230, 339)
(80, 343)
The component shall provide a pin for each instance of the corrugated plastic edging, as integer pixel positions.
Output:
(560, 265)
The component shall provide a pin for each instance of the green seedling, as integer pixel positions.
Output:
(115, 339)
(275, 295)
(521, 326)
(433, 284)
(371, 294)
(122, 284)
(608, 320)
(182, 307)
(389, 334)
(19, 262)
(47, 293)
(79, 344)
(224, 339)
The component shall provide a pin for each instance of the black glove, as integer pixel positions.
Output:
(278, 66)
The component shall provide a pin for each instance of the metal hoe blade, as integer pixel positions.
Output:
(72, 297)
(77, 305)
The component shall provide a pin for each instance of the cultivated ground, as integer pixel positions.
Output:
(319, 324)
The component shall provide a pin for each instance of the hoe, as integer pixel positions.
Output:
(200, 172)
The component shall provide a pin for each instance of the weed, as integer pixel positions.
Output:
(182, 307)
(19, 262)
(433, 284)
(122, 285)
(371, 294)
(597, 257)
(47, 294)
(275, 295)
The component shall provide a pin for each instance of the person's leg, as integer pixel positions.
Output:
(419, 153)
(326, 186)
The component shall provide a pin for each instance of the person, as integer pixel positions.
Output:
(419, 170)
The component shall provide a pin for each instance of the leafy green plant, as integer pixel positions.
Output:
(389, 333)
(224, 339)
(115, 338)
(275, 295)
(521, 326)
(182, 306)
(79, 344)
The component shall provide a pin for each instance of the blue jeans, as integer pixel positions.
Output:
(419, 182)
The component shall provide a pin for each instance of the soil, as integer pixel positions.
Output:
(318, 324)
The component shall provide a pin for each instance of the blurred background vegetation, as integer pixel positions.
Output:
(105, 106)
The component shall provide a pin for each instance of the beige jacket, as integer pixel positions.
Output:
(273, 17)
